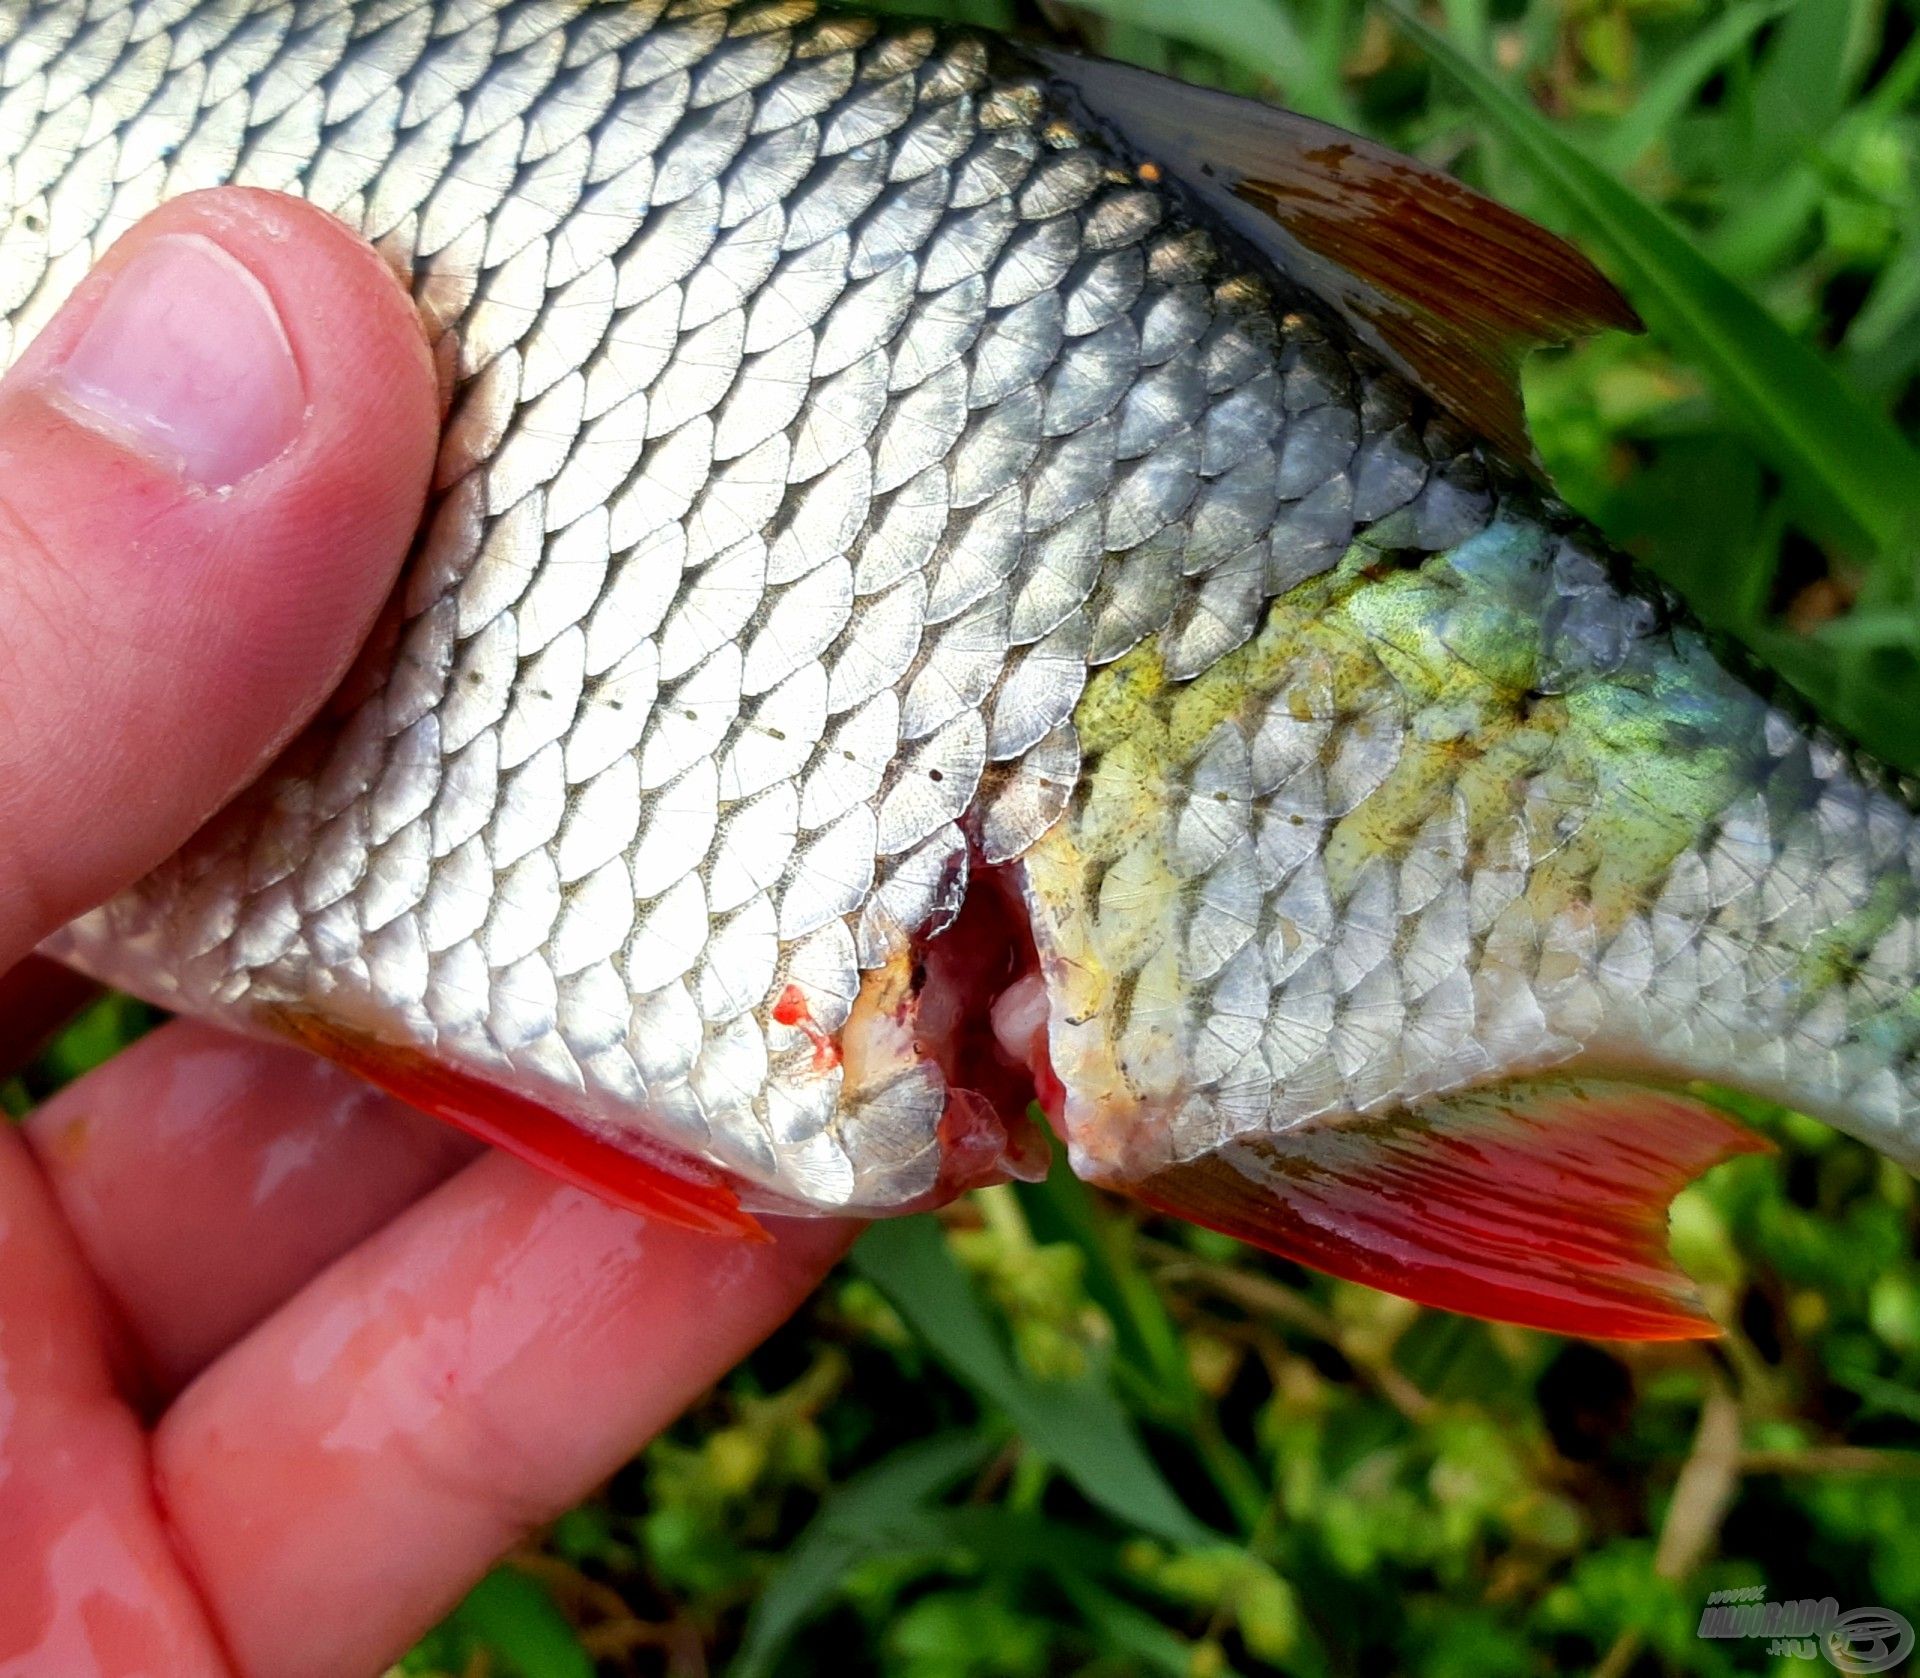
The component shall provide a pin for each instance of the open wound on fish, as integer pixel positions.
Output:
(929, 1012)
(1451, 288)
(1539, 1201)
(1542, 1202)
(941, 1005)
(638, 1174)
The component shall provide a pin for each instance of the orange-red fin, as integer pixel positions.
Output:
(640, 1176)
(1542, 1203)
(1450, 287)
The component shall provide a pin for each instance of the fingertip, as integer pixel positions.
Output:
(355, 336)
(90, 1585)
(212, 463)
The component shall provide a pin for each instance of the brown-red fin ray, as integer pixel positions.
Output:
(640, 1176)
(1542, 1203)
(1448, 286)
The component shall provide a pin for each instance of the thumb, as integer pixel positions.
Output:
(212, 461)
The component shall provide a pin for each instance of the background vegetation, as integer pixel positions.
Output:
(1042, 1434)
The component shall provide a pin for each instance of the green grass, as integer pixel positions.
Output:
(1042, 1434)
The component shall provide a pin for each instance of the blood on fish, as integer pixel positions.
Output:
(793, 1009)
(985, 1134)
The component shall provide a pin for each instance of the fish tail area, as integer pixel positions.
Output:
(1539, 1201)
(1542, 1202)
(1319, 918)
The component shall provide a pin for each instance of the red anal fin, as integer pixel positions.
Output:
(1542, 1203)
(642, 1176)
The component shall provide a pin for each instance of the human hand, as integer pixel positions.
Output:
(283, 1365)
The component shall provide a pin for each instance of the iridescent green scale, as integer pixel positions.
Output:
(1457, 817)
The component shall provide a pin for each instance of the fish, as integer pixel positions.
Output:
(961, 575)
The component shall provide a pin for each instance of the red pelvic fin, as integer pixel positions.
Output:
(1541, 1203)
(642, 1176)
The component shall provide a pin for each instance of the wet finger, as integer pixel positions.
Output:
(90, 1588)
(468, 1373)
(207, 1178)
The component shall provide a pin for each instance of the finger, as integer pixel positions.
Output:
(207, 1178)
(211, 463)
(470, 1372)
(90, 1588)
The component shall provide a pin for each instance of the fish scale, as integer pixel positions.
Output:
(932, 421)
(862, 471)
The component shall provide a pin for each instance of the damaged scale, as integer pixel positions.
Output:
(959, 573)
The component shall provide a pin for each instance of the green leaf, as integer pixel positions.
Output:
(516, 1622)
(1671, 90)
(1844, 458)
(1803, 81)
(1129, 1630)
(1078, 1426)
(101, 1032)
(880, 1510)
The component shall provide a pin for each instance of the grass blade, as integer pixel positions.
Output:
(884, 1509)
(1130, 1631)
(1666, 97)
(1078, 1426)
(1802, 84)
(1062, 1208)
(1261, 37)
(1839, 455)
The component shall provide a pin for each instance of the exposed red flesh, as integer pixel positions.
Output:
(37, 998)
(986, 1135)
(1540, 1203)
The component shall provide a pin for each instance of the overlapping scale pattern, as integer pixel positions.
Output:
(824, 410)
(1449, 818)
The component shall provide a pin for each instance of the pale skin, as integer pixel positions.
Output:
(283, 1364)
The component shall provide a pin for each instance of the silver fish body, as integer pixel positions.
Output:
(861, 473)
(820, 411)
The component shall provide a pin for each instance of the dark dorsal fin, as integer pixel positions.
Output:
(1449, 287)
